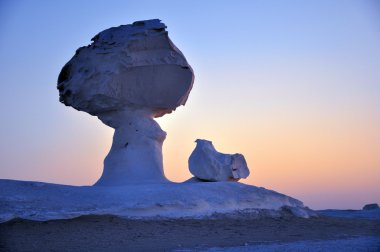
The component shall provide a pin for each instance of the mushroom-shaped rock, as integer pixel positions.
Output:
(127, 76)
(206, 163)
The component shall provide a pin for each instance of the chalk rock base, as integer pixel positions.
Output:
(44, 201)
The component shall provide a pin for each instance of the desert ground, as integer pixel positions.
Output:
(111, 233)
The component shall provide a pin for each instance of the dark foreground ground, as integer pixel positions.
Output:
(109, 233)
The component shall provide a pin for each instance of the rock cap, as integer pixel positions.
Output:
(134, 66)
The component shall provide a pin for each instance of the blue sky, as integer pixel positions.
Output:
(266, 71)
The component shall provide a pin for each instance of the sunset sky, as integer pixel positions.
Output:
(292, 85)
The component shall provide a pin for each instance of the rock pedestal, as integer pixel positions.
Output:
(136, 152)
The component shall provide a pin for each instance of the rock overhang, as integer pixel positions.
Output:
(134, 65)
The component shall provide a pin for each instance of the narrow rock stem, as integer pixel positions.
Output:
(136, 152)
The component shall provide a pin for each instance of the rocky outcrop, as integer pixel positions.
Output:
(207, 164)
(127, 76)
(371, 206)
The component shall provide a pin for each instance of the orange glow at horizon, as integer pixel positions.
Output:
(325, 155)
(293, 87)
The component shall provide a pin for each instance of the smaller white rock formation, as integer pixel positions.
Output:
(206, 163)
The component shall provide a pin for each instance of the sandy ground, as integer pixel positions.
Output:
(109, 233)
(356, 244)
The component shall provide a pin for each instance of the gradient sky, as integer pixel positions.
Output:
(292, 85)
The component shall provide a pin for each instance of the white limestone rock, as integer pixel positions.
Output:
(135, 66)
(207, 164)
(127, 76)
(45, 201)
